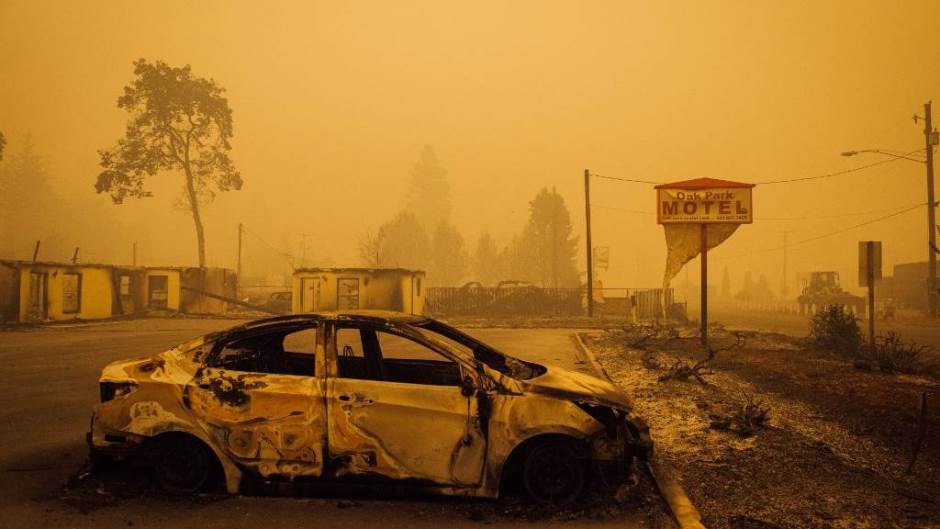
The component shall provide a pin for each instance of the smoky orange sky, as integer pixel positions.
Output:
(333, 102)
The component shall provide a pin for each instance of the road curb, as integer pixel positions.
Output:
(588, 354)
(680, 506)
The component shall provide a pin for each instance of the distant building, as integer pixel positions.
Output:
(908, 286)
(48, 291)
(324, 289)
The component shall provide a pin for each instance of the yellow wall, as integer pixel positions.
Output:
(172, 285)
(413, 288)
(378, 289)
(96, 292)
(24, 294)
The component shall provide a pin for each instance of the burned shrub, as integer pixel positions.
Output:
(640, 336)
(751, 415)
(836, 329)
(684, 371)
(650, 361)
(892, 355)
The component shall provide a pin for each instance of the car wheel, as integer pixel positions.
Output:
(183, 464)
(99, 461)
(552, 473)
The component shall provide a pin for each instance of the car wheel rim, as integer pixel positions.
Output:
(554, 475)
(183, 466)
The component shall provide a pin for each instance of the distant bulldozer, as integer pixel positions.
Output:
(822, 289)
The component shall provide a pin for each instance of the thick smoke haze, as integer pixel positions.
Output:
(334, 103)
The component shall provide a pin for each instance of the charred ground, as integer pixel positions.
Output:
(832, 453)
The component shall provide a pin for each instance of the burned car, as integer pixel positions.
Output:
(363, 397)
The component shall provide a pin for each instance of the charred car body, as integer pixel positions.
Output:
(363, 396)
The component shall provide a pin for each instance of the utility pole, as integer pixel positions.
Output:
(870, 276)
(303, 249)
(931, 218)
(704, 281)
(783, 289)
(238, 270)
(554, 248)
(75, 256)
(36, 251)
(590, 249)
(134, 255)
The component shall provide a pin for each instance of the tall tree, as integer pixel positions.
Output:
(403, 242)
(369, 248)
(763, 292)
(518, 262)
(747, 290)
(26, 194)
(548, 239)
(486, 261)
(178, 123)
(429, 193)
(725, 285)
(448, 257)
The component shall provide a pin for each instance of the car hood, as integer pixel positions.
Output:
(572, 385)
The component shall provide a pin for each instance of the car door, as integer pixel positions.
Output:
(260, 396)
(396, 409)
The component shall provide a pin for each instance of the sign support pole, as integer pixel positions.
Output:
(700, 201)
(704, 282)
(870, 249)
(238, 269)
(590, 249)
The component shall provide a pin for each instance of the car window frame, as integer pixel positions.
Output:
(468, 367)
(319, 360)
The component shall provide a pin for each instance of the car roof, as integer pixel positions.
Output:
(375, 316)
(370, 314)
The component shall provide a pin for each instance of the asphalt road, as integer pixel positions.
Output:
(49, 385)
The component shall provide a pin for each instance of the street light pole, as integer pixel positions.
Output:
(931, 218)
(930, 139)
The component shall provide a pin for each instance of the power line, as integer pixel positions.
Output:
(829, 217)
(859, 225)
(832, 233)
(614, 208)
(837, 173)
(289, 257)
(631, 180)
(782, 181)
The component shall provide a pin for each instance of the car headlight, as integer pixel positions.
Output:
(115, 390)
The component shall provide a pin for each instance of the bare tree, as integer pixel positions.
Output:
(179, 123)
(448, 262)
(369, 248)
(485, 266)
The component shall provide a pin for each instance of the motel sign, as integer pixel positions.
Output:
(697, 215)
(704, 201)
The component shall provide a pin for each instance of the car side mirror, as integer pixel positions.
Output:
(467, 388)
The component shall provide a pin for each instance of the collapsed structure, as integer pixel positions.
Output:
(33, 292)
(319, 289)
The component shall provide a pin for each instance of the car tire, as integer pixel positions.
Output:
(182, 464)
(552, 473)
(99, 461)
